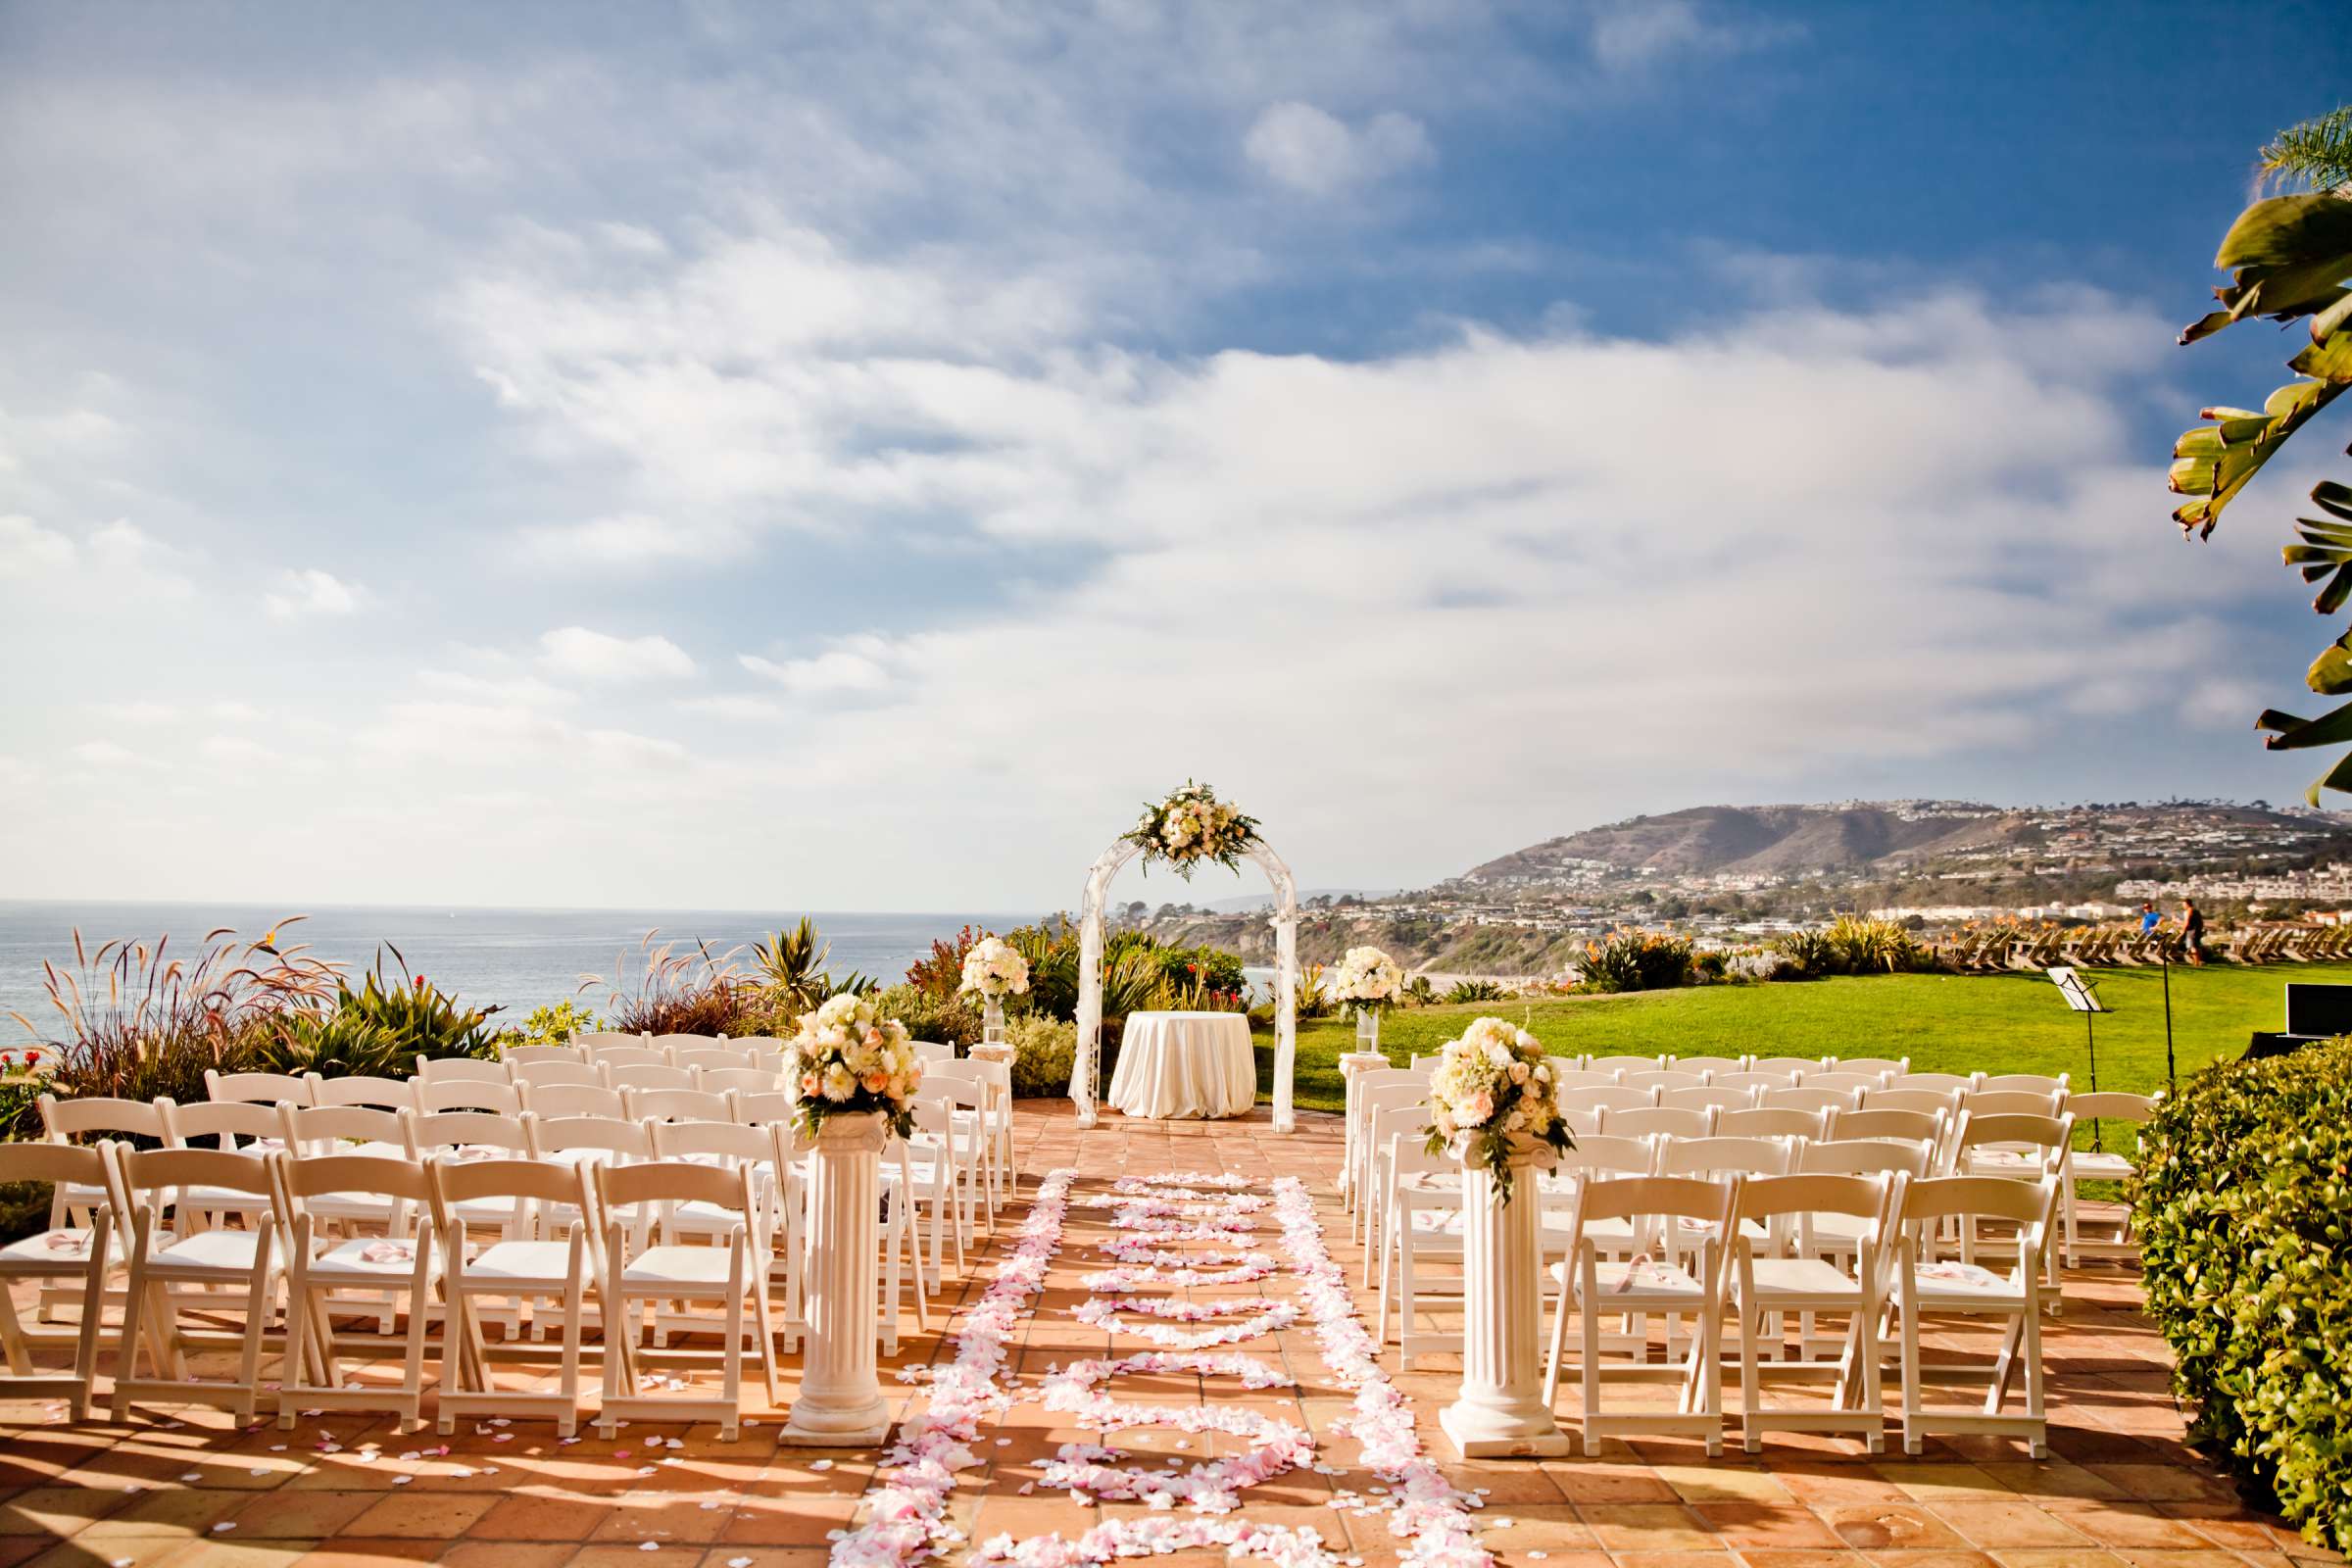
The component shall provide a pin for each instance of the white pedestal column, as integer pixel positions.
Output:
(1353, 1062)
(840, 1403)
(1501, 1411)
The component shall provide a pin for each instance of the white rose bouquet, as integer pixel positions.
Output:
(1491, 1093)
(993, 969)
(1368, 978)
(848, 1059)
(1192, 825)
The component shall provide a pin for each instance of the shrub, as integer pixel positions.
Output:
(1418, 992)
(1043, 1051)
(1637, 961)
(1478, 991)
(690, 992)
(2243, 1184)
(930, 1017)
(377, 1031)
(942, 973)
(135, 1022)
(1807, 953)
(554, 1025)
(1871, 946)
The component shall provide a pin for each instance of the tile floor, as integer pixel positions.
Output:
(187, 1488)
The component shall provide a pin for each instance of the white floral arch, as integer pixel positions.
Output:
(1087, 1065)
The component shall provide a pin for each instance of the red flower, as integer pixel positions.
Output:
(421, 982)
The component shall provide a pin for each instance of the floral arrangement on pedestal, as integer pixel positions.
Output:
(848, 1059)
(993, 969)
(1192, 825)
(1369, 981)
(1491, 1097)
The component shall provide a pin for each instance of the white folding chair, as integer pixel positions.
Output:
(677, 1105)
(1665, 1081)
(518, 1058)
(675, 1043)
(722, 1146)
(1657, 1122)
(2024, 1083)
(377, 1094)
(648, 1076)
(534, 1269)
(234, 1126)
(1935, 1082)
(1766, 1122)
(453, 1069)
(710, 1059)
(1712, 1066)
(929, 1052)
(1947, 1100)
(1383, 1094)
(569, 1072)
(317, 1263)
(1606, 1097)
(723, 1276)
(594, 1043)
(1771, 1286)
(216, 1261)
(70, 1261)
(1711, 1098)
(256, 1088)
(1879, 1067)
(1623, 1063)
(1932, 1128)
(963, 1082)
(1420, 1219)
(1857, 1083)
(1804, 1096)
(495, 1096)
(934, 1159)
(636, 1054)
(1756, 1082)
(735, 1080)
(2013, 1101)
(2019, 1147)
(574, 1100)
(2098, 1164)
(1797, 1067)
(314, 1132)
(1925, 1283)
(1645, 1285)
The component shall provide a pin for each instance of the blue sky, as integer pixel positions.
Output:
(848, 456)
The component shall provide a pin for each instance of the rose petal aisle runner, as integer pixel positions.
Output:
(1174, 1233)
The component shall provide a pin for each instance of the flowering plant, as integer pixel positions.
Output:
(1491, 1096)
(848, 1059)
(993, 969)
(1368, 978)
(1192, 825)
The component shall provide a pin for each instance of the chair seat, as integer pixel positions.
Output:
(66, 1249)
(679, 1265)
(1964, 1282)
(370, 1258)
(1989, 1161)
(518, 1263)
(2093, 1165)
(1809, 1278)
(1643, 1283)
(229, 1254)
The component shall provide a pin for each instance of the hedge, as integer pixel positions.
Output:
(2244, 1207)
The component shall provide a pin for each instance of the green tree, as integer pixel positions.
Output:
(2290, 256)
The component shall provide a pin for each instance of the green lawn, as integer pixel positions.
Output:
(1944, 1023)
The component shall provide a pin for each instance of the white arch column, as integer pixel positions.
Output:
(1085, 1064)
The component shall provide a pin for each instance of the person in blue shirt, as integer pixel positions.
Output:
(2149, 920)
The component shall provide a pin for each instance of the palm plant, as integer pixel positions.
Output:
(2292, 261)
(792, 965)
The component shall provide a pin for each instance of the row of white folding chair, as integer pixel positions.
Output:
(631, 1251)
(1728, 1274)
(599, 1045)
(598, 1120)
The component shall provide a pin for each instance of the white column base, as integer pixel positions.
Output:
(839, 1404)
(1478, 1434)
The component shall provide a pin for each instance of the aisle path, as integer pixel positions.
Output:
(2122, 1491)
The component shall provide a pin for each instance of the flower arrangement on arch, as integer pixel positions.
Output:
(993, 969)
(847, 1059)
(1491, 1097)
(1192, 825)
(1368, 979)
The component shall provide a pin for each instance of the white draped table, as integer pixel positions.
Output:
(1175, 1064)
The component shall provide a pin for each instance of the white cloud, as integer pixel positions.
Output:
(106, 754)
(852, 664)
(1312, 151)
(579, 653)
(237, 750)
(27, 549)
(309, 592)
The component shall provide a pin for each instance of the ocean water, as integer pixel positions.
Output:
(517, 959)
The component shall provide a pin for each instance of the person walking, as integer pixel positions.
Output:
(2193, 931)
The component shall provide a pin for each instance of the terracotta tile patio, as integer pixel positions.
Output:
(186, 1489)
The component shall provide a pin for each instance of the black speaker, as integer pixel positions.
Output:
(2318, 1009)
